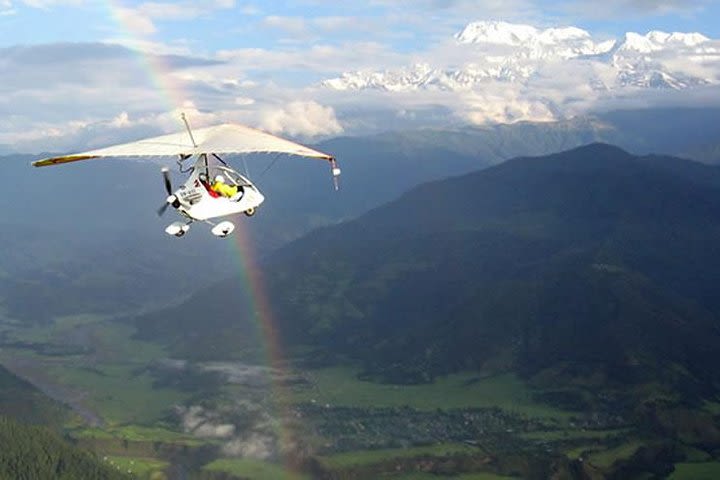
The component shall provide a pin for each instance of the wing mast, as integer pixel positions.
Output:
(189, 130)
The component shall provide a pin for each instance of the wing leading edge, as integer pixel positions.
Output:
(226, 138)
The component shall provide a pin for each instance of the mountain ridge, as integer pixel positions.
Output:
(108, 217)
(544, 262)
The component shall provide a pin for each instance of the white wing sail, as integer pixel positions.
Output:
(226, 138)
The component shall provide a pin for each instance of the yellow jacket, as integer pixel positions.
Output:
(224, 189)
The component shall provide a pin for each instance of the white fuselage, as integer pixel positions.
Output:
(199, 202)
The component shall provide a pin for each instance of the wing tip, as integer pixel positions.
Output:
(46, 162)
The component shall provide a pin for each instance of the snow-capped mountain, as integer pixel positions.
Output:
(662, 60)
(527, 56)
(567, 42)
(424, 76)
(656, 41)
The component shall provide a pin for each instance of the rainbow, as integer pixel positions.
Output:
(250, 273)
(157, 69)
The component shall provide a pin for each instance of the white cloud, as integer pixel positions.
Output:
(168, 11)
(294, 25)
(250, 10)
(319, 58)
(255, 445)
(653, 6)
(6, 8)
(75, 136)
(141, 18)
(46, 4)
(182, 10)
(591, 9)
(442, 17)
(301, 119)
(72, 97)
(484, 8)
(313, 27)
(244, 101)
(79, 92)
(541, 10)
(150, 47)
(337, 23)
(135, 20)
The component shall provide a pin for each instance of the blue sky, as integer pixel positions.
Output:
(208, 26)
(78, 70)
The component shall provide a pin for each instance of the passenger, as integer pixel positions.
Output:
(222, 188)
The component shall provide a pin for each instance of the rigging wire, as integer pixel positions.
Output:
(277, 156)
(220, 159)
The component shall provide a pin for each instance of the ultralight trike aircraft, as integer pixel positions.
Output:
(213, 189)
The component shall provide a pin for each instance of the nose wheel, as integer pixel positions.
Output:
(223, 229)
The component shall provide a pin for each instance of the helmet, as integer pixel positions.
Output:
(219, 179)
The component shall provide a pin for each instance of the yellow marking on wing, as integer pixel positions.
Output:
(58, 160)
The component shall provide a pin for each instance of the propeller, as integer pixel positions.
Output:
(168, 187)
(161, 210)
(166, 176)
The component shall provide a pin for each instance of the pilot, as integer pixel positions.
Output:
(223, 188)
(203, 179)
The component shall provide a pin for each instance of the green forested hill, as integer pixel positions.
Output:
(592, 261)
(21, 401)
(33, 453)
(38, 452)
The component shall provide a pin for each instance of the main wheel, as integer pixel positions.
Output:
(250, 212)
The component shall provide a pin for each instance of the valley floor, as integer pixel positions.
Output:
(154, 417)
